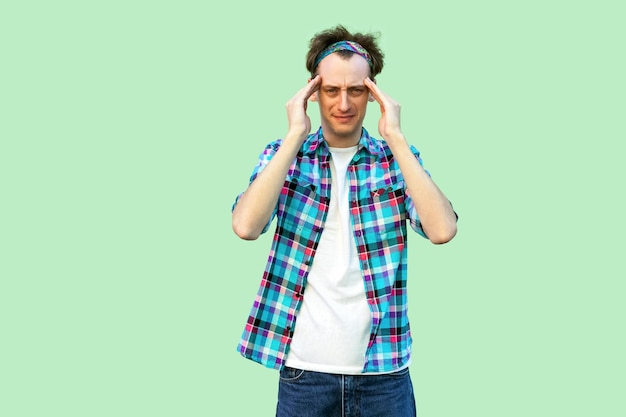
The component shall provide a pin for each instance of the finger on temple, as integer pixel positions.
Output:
(313, 86)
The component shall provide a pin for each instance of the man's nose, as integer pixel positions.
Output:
(344, 103)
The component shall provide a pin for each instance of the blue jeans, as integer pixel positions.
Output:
(314, 394)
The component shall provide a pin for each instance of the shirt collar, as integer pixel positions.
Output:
(316, 141)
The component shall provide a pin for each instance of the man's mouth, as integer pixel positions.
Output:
(344, 117)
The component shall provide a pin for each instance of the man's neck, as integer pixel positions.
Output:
(340, 141)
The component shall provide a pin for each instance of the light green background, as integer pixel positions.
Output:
(127, 128)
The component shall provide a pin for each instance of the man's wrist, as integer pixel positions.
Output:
(396, 138)
(296, 138)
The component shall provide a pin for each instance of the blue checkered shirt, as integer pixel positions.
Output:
(379, 207)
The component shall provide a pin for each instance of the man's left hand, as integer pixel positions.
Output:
(389, 123)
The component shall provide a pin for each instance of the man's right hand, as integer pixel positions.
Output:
(257, 203)
(299, 121)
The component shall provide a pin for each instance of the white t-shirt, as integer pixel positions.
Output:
(333, 326)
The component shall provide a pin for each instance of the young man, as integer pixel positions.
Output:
(331, 311)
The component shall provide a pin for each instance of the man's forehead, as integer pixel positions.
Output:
(337, 70)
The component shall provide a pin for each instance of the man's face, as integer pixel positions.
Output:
(342, 98)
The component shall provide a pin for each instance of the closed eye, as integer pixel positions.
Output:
(356, 91)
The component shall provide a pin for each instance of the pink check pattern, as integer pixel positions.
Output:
(380, 209)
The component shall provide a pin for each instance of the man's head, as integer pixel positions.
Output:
(320, 43)
(343, 63)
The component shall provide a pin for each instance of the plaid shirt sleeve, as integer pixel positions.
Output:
(264, 158)
(413, 218)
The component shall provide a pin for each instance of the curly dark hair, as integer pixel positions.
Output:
(323, 39)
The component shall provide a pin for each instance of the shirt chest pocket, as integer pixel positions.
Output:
(299, 206)
(382, 212)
